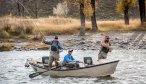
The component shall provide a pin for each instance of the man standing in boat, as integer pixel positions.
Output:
(105, 48)
(70, 62)
(55, 48)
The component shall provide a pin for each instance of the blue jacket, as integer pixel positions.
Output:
(54, 43)
(69, 58)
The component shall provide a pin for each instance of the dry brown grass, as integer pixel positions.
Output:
(37, 46)
(58, 25)
(6, 47)
(61, 25)
(118, 25)
(16, 26)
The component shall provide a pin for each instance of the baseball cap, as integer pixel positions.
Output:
(56, 37)
(70, 50)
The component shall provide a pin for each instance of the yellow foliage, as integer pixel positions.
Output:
(132, 2)
(88, 11)
(122, 4)
(120, 7)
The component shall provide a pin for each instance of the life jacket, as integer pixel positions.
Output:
(57, 43)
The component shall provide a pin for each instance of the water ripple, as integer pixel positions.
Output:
(130, 70)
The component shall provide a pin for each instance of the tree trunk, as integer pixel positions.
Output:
(142, 11)
(93, 17)
(126, 15)
(82, 19)
(23, 8)
(36, 9)
(18, 8)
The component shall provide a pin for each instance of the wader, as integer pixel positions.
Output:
(103, 53)
(54, 56)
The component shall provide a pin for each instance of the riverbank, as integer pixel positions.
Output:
(131, 40)
(19, 34)
(24, 27)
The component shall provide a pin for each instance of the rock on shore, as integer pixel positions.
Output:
(133, 40)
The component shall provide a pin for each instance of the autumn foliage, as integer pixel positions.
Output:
(122, 4)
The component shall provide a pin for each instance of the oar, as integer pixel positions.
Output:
(39, 73)
(36, 74)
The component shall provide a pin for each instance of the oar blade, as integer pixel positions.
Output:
(35, 74)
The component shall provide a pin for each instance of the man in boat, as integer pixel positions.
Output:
(55, 48)
(105, 48)
(70, 62)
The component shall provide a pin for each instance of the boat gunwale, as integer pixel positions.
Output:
(77, 68)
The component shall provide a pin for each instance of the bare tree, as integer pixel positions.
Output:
(142, 11)
(126, 15)
(36, 7)
(82, 18)
(18, 8)
(93, 17)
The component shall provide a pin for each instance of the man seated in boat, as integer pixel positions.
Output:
(55, 48)
(70, 62)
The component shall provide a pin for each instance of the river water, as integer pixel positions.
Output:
(130, 70)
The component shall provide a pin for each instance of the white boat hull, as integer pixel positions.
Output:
(103, 69)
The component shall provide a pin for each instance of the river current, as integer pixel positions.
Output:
(130, 70)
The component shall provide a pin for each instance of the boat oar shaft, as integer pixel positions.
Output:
(36, 74)
(39, 73)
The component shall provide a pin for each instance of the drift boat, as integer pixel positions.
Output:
(102, 69)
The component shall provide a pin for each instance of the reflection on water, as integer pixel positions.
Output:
(131, 68)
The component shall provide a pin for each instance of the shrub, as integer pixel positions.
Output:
(22, 30)
(29, 30)
(4, 34)
(18, 30)
(6, 47)
(7, 28)
(38, 37)
(23, 36)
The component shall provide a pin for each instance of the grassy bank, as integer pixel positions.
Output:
(6, 47)
(13, 26)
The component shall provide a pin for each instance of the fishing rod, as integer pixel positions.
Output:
(17, 1)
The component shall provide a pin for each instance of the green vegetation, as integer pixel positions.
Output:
(4, 34)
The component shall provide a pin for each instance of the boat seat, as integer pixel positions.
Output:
(45, 59)
(88, 60)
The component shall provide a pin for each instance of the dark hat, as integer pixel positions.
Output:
(70, 50)
(56, 37)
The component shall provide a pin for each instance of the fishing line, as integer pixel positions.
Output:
(17, 1)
